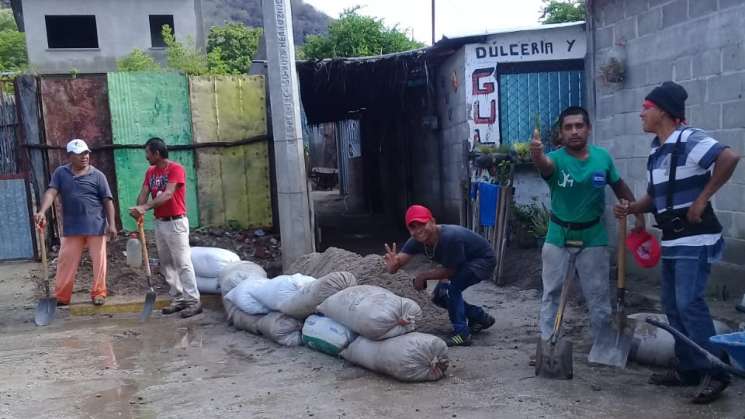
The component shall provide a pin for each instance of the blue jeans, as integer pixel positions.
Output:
(683, 286)
(450, 295)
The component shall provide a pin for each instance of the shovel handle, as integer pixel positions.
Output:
(621, 263)
(145, 257)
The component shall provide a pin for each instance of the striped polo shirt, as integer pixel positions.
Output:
(695, 163)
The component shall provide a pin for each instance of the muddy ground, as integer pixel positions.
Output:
(115, 366)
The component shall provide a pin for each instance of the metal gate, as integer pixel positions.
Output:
(16, 239)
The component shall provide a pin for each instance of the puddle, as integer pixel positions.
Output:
(117, 402)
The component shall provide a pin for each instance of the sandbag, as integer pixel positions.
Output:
(281, 329)
(207, 285)
(242, 297)
(273, 293)
(209, 261)
(654, 346)
(241, 320)
(410, 357)
(372, 312)
(304, 302)
(325, 335)
(237, 272)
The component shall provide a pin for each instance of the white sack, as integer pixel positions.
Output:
(237, 272)
(304, 302)
(241, 320)
(281, 329)
(325, 335)
(273, 293)
(209, 261)
(242, 297)
(207, 285)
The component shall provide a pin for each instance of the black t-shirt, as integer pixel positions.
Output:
(457, 248)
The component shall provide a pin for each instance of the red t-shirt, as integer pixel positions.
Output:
(156, 180)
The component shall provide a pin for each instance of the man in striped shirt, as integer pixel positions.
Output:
(685, 168)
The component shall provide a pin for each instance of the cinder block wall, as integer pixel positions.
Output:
(701, 45)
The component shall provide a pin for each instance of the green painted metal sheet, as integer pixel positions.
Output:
(233, 186)
(145, 105)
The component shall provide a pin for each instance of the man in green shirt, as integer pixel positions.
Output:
(577, 175)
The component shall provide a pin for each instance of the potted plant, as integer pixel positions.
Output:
(539, 223)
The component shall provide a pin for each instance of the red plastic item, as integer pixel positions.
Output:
(644, 247)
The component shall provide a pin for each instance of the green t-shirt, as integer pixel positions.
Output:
(578, 195)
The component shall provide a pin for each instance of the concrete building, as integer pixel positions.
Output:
(88, 36)
(699, 44)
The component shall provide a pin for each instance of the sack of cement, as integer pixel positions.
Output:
(654, 346)
(276, 291)
(207, 285)
(281, 329)
(241, 320)
(242, 297)
(372, 312)
(410, 357)
(326, 335)
(209, 261)
(237, 272)
(304, 302)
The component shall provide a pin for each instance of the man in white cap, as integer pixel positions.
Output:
(87, 217)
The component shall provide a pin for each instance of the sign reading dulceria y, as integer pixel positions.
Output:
(482, 69)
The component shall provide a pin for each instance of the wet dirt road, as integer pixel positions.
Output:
(116, 367)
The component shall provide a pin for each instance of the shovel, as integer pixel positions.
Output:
(47, 306)
(612, 345)
(553, 358)
(147, 308)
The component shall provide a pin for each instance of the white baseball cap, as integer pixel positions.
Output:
(77, 146)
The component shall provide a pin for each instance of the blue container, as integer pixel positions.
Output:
(734, 344)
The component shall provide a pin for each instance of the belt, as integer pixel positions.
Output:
(574, 226)
(171, 218)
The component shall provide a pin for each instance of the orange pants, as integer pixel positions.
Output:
(71, 251)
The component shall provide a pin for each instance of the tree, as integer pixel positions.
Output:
(354, 35)
(12, 44)
(184, 58)
(137, 60)
(230, 47)
(558, 11)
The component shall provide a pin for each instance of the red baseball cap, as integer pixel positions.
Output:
(418, 213)
(644, 247)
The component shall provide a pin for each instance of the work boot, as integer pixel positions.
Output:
(174, 308)
(191, 310)
(711, 388)
(99, 300)
(478, 326)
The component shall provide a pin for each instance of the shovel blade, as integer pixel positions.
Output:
(612, 347)
(147, 308)
(554, 359)
(45, 311)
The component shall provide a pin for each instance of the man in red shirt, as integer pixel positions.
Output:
(165, 182)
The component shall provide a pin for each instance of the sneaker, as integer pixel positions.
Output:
(458, 339)
(478, 326)
(99, 300)
(191, 310)
(173, 308)
(672, 378)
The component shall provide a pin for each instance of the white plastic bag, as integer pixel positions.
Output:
(242, 297)
(304, 302)
(281, 329)
(325, 335)
(207, 285)
(237, 272)
(209, 261)
(273, 293)
(372, 312)
(410, 357)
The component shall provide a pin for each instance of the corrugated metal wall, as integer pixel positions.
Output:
(15, 225)
(27, 90)
(78, 108)
(145, 105)
(233, 182)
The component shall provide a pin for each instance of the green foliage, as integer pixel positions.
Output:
(12, 44)
(230, 48)
(522, 151)
(533, 218)
(560, 11)
(354, 35)
(184, 58)
(137, 60)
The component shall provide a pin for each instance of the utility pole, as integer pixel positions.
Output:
(433, 22)
(292, 185)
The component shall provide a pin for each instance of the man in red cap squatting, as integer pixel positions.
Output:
(681, 183)
(467, 259)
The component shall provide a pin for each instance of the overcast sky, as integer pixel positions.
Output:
(453, 17)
